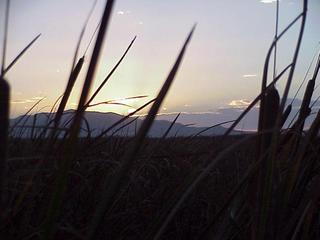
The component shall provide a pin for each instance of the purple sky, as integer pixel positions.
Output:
(222, 66)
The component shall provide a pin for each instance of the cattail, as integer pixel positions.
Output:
(4, 126)
(305, 109)
(272, 101)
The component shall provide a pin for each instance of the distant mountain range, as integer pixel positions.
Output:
(249, 123)
(188, 124)
(98, 122)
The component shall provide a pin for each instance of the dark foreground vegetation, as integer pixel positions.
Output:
(57, 185)
(157, 174)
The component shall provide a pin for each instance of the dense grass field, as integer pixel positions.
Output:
(157, 174)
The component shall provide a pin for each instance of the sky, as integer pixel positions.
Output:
(222, 66)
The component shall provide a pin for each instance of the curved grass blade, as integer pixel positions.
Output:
(25, 115)
(265, 214)
(116, 101)
(194, 179)
(96, 141)
(188, 188)
(211, 127)
(305, 76)
(254, 102)
(266, 66)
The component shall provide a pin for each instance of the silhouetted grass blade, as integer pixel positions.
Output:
(113, 185)
(4, 126)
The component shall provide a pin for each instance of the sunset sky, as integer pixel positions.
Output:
(222, 66)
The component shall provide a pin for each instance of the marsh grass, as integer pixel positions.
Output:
(258, 186)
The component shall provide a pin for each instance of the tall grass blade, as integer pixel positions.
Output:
(254, 102)
(4, 110)
(72, 79)
(20, 54)
(266, 64)
(69, 148)
(113, 185)
(261, 227)
(170, 127)
(305, 76)
(92, 36)
(75, 56)
(286, 114)
(111, 73)
(4, 129)
(106, 131)
(5, 37)
(275, 36)
(189, 187)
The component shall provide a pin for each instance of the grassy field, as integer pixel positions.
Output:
(259, 186)
(156, 176)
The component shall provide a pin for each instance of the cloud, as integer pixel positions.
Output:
(120, 12)
(249, 75)
(24, 101)
(268, 1)
(18, 102)
(240, 103)
(131, 110)
(37, 98)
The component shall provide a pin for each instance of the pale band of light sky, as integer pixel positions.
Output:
(222, 65)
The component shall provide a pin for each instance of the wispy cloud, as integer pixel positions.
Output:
(25, 101)
(120, 12)
(268, 1)
(240, 103)
(249, 75)
(18, 102)
(37, 98)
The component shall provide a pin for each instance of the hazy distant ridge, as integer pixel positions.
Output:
(99, 121)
